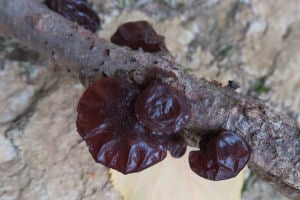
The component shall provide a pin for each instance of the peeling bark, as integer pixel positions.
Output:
(273, 137)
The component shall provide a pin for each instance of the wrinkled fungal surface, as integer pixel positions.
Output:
(162, 109)
(77, 11)
(220, 157)
(175, 144)
(107, 122)
(139, 34)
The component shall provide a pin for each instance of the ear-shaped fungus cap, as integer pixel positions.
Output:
(162, 109)
(106, 121)
(222, 157)
(139, 34)
(77, 11)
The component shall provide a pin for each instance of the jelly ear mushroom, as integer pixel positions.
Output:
(77, 11)
(162, 109)
(175, 144)
(139, 34)
(106, 121)
(221, 157)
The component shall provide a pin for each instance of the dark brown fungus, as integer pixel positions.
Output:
(175, 144)
(221, 157)
(162, 109)
(139, 34)
(77, 11)
(107, 123)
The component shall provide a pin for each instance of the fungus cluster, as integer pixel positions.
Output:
(131, 126)
(107, 120)
(77, 11)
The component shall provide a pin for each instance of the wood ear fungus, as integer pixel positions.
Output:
(106, 121)
(129, 130)
(221, 157)
(162, 109)
(175, 144)
(77, 11)
(139, 34)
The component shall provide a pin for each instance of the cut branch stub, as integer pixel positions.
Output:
(220, 157)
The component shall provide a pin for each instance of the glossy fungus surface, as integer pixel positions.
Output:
(175, 144)
(221, 157)
(77, 11)
(139, 34)
(106, 121)
(162, 109)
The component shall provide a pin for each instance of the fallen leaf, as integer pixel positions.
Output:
(172, 179)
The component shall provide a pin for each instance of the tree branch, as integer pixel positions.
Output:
(273, 137)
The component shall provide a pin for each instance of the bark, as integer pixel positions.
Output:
(273, 137)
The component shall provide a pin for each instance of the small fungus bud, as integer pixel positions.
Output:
(162, 109)
(77, 11)
(139, 34)
(175, 144)
(221, 157)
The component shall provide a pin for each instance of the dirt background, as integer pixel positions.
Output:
(253, 42)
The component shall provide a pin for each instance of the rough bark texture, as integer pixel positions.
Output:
(273, 137)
